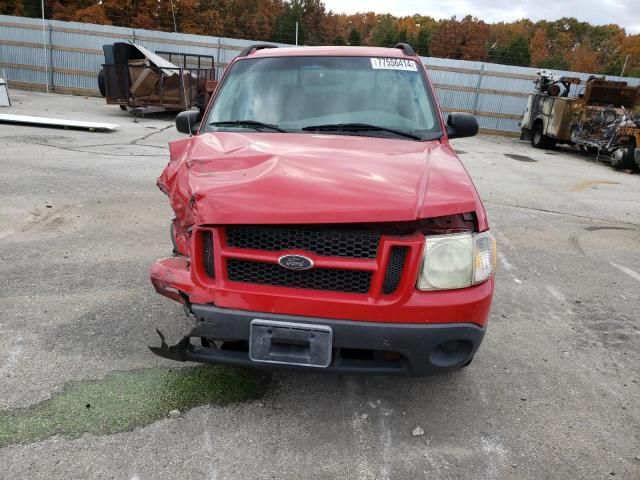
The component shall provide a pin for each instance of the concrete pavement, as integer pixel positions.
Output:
(553, 393)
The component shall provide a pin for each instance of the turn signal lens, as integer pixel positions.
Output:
(485, 257)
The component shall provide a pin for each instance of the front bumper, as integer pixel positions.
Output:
(358, 346)
(172, 277)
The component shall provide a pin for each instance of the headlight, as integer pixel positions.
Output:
(457, 260)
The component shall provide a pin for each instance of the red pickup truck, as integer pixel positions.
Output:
(323, 221)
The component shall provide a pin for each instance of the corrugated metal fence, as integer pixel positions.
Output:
(496, 94)
(67, 56)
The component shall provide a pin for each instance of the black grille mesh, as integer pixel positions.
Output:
(352, 281)
(207, 247)
(330, 243)
(393, 275)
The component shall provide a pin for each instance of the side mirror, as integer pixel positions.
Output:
(187, 121)
(461, 125)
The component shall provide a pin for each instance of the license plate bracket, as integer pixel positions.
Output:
(290, 343)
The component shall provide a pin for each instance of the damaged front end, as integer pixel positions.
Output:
(379, 322)
(225, 336)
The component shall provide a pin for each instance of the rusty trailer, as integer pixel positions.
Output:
(141, 81)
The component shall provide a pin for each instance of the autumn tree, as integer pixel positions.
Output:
(247, 18)
(462, 40)
(26, 8)
(363, 23)
(201, 17)
(539, 47)
(136, 13)
(501, 34)
(313, 14)
(13, 7)
(630, 52)
(583, 58)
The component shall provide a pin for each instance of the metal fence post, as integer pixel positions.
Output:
(3, 72)
(218, 59)
(51, 79)
(477, 91)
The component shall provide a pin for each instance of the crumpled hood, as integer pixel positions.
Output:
(275, 178)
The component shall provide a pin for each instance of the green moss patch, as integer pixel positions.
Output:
(125, 400)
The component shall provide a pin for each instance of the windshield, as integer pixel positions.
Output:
(385, 97)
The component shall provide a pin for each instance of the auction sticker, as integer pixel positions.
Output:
(393, 64)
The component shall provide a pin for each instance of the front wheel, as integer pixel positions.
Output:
(539, 139)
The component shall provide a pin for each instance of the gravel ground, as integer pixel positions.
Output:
(553, 392)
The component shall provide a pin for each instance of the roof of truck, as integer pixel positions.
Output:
(330, 51)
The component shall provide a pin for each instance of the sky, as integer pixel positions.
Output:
(625, 13)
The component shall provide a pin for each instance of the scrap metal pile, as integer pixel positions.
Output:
(607, 107)
(599, 128)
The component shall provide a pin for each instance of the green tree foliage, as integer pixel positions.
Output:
(555, 62)
(423, 41)
(385, 33)
(285, 28)
(354, 38)
(517, 52)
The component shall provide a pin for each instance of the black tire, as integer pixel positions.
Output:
(539, 139)
(622, 159)
(123, 107)
(101, 86)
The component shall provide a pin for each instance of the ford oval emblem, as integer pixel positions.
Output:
(295, 262)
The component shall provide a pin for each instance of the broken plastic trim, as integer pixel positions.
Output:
(175, 352)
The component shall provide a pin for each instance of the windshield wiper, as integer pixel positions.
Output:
(358, 127)
(248, 123)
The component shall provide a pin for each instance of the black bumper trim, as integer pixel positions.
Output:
(418, 344)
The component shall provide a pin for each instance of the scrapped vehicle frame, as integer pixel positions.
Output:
(316, 247)
(603, 119)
